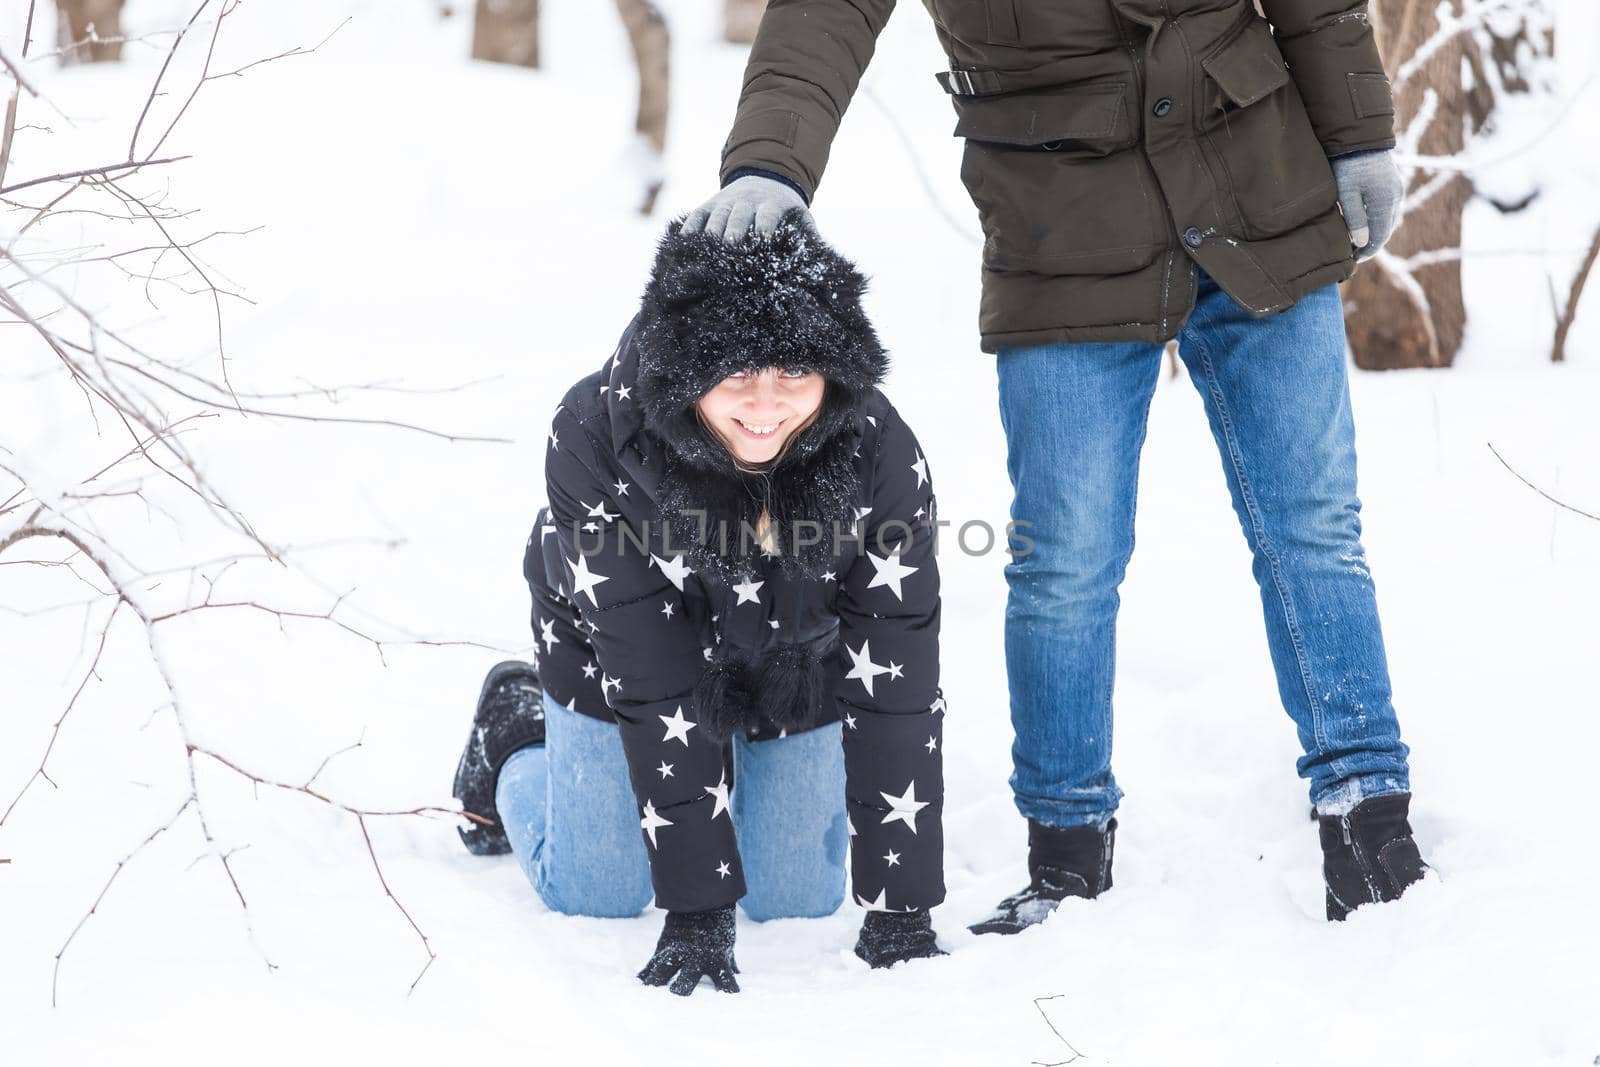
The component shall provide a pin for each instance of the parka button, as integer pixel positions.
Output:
(1163, 106)
(1193, 237)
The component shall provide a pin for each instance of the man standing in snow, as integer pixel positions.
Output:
(1146, 170)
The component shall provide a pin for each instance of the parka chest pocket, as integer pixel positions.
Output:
(978, 21)
(1256, 125)
(1058, 185)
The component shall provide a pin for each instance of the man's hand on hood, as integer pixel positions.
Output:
(750, 201)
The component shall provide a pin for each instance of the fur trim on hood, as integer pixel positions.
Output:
(710, 309)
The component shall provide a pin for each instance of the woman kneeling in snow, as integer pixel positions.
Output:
(737, 607)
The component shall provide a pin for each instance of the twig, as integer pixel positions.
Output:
(55, 974)
(8, 131)
(1558, 503)
(376, 866)
(109, 168)
(155, 87)
(1570, 314)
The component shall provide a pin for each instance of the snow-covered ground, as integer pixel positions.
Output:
(430, 223)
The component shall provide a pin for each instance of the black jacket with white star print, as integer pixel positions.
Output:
(629, 629)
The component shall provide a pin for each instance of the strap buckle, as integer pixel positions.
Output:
(958, 82)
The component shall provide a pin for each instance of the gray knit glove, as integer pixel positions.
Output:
(1372, 194)
(745, 202)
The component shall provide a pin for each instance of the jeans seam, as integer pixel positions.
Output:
(1247, 495)
(1133, 515)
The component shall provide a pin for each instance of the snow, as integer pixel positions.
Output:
(466, 235)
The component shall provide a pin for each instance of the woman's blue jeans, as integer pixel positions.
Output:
(1277, 398)
(570, 814)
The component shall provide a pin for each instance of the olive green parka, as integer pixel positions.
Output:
(1110, 145)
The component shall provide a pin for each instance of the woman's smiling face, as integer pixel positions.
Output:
(755, 412)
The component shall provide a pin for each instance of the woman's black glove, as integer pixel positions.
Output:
(694, 945)
(889, 937)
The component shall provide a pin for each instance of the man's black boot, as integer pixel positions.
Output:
(510, 715)
(1062, 862)
(1368, 856)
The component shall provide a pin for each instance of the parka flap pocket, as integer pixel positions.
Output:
(769, 124)
(1046, 119)
(1249, 66)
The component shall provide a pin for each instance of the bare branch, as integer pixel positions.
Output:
(1558, 503)
(155, 87)
(1569, 314)
(55, 974)
(110, 168)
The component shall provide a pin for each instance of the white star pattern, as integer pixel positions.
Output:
(850, 721)
(931, 745)
(937, 705)
(598, 511)
(623, 391)
(878, 903)
(895, 670)
(893, 858)
(548, 634)
(904, 807)
(720, 793)
(651, 821)
(666, 769)
(674, 569)
(747, 592)
(862, 668)
(890, 572)
(921, 467)
(666, 608)
(722, 869)
(555, 442)
(621, 487)
(677, 727)
(584, 580)
(829, 576)
(851, 823)
(589, 669)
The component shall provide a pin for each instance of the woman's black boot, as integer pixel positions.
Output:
(510, 715)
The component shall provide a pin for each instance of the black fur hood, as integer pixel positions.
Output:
(710, 309)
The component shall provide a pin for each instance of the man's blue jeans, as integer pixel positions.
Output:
(570, 814)
(1277, 397)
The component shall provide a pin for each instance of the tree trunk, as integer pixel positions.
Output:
(1415, 317)
(507, 31)
(74, 19)
(647, 33)
(740, 20)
